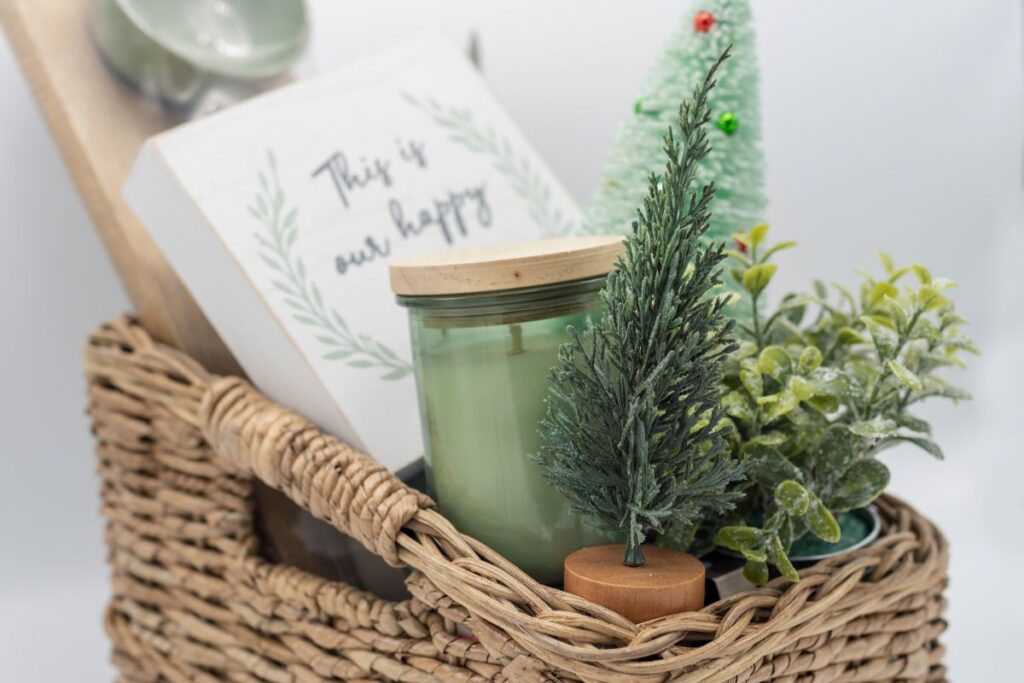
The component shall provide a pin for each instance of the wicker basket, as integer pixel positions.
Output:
(193, 600)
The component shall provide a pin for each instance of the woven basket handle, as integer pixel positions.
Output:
(320, 473)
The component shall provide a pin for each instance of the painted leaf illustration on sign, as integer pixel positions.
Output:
(301, 294)
(529, 184)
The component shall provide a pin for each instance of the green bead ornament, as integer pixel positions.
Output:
(728, 123)
(640, 110)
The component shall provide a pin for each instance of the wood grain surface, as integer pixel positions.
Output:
(670, 582)
(99, 125)
(506, 266)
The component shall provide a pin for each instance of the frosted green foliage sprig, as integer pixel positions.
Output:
(818, 387)
(735, 162)
(633, 433)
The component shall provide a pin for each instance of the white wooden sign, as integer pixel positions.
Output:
(280, 214)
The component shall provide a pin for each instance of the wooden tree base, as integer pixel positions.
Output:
(668, 583)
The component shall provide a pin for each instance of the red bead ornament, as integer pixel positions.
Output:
(703, 21)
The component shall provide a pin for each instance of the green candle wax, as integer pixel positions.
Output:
(482, 390)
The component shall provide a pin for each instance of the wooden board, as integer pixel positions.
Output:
(505, 266)
(99, 125)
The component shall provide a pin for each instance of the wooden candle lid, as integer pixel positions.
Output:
(669, 582)
(505, 266)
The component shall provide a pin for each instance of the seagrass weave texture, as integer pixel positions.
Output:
(193, 601)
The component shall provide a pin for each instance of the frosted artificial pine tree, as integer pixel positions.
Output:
(735, 161)
(633, 435)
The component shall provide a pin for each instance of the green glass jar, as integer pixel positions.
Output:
(483, 346)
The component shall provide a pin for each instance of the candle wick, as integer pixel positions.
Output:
(517, 338)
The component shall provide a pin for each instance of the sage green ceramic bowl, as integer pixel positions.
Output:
(138, 61)
(172, 49)
(247, 39)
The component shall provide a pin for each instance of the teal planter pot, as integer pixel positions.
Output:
(859, 528)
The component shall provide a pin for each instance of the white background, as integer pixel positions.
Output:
(894, 124)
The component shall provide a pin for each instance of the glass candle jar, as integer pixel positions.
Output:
(486, 327)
